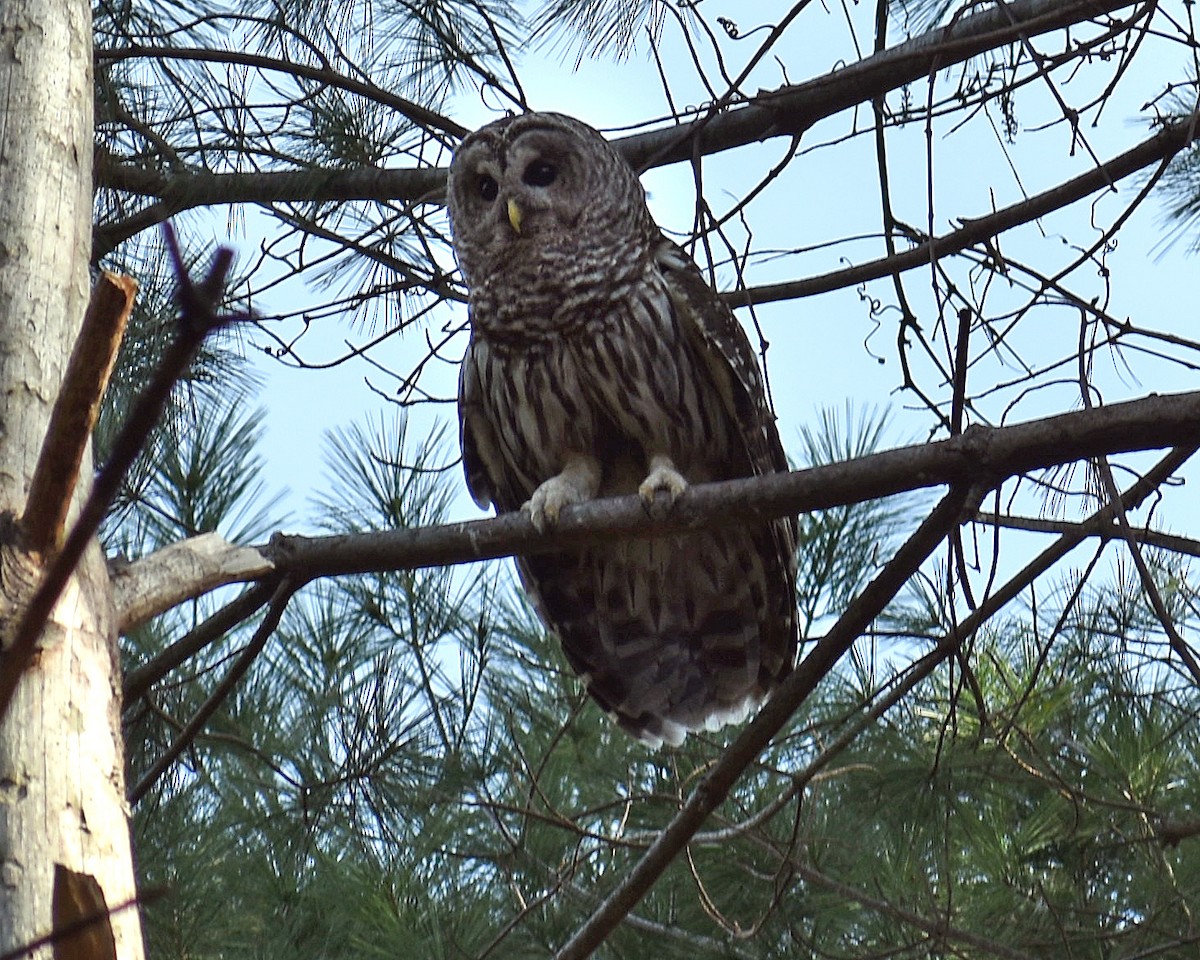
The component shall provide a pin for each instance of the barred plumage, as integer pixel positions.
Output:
(601, 363)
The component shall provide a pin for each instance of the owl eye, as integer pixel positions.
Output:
(488, 188)
(539, 174)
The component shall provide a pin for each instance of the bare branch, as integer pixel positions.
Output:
(1160, 148)
(75, 411)
(791, 110)
(138, 681)
(1070, 537)
(1106, 530)
(282, 594)
(981, 454)
(183, 570)
(74, 927)
(938, 929)
(787, 111)
(1178, 644)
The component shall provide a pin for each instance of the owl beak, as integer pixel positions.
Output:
(514, 215)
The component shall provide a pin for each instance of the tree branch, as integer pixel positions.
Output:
(75, 410)
(1160, 148)
(1104, 529)
(991, 604)
(1182, 648)
(279, 600)
(177, 192)
(937, 930)
(326, 77)
(139, 680)
(980, 455)
(789, 111)
(183, 570)
(715, 786)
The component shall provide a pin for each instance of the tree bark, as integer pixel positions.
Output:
(64, 837)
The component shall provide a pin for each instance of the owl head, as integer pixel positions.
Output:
(541, 190)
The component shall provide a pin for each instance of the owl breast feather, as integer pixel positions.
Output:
(623, 383)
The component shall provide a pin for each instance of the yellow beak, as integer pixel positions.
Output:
(514, 215)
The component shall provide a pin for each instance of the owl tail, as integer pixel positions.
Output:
(675, 634)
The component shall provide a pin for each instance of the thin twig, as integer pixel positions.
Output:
(1181, 647)
(248, 603)
(938, 930)
(1107, 530)
(422, 116)
(1166, 143)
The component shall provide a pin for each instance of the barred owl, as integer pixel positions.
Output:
(601, 363)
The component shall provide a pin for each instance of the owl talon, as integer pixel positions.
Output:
(546, 504)
(662, 487)
(579, 481)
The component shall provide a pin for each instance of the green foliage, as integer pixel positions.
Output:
(325, 775)
(174, 114)
(920, 15)
(1181, 181)
(410, 770)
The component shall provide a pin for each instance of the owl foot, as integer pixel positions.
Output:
(579, 481)
(662, 486)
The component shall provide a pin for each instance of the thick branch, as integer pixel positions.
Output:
(787, 111)
(186, 191)
(991, 604)
(987, 455)
(981, 454)
(176, 573)
(716, 785)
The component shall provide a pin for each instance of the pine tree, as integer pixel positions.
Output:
(361, 741)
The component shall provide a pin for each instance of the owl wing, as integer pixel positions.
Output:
(723, 344)
(477, 435)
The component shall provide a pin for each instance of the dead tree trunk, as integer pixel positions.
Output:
(64, 838)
